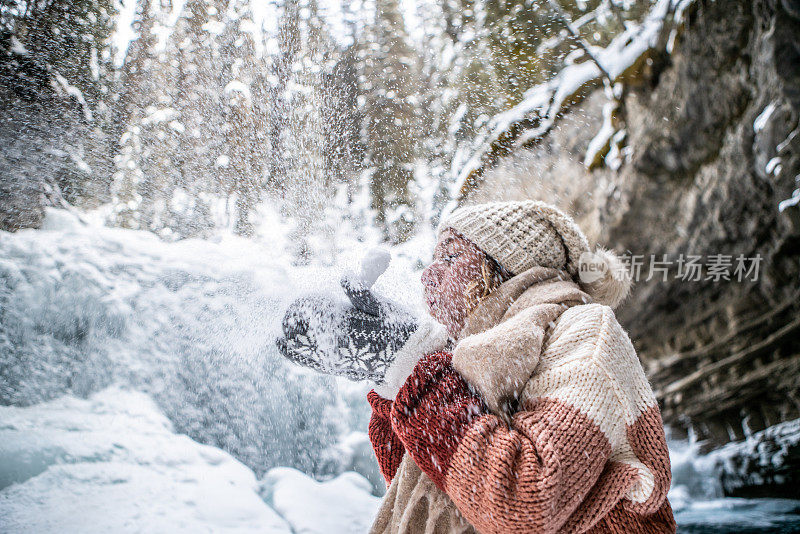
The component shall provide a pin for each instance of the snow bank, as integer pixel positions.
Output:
(342, 505)
(113, 464)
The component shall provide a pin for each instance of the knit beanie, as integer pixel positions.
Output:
(523, 234)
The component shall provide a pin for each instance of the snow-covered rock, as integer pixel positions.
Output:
(342, 505)
(697, 491)
(765, 463)
(543, 104)
(359, 456)
(112, 463)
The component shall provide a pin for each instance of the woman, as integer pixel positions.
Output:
(536, 415)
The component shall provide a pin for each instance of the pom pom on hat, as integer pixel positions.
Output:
(604, 277)
(528, 233)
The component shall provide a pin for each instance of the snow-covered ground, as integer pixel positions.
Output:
(113, 463)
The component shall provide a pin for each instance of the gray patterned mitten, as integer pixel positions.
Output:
(358, 341)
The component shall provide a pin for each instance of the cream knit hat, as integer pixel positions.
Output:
(527, 233)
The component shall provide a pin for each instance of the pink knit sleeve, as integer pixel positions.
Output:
(388, 448)
(536, 474)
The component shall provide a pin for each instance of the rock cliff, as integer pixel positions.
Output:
(701, 159)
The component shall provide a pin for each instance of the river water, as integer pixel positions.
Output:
(700, 507)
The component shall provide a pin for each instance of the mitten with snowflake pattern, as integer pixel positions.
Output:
(371, 339)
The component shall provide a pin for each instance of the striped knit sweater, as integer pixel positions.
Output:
(540, 420)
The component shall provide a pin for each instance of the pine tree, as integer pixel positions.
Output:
(243, 114)
(142, 83)
(389, 69)
(288, 43)
(193, 137)
(300, 154)
(61, 50)
(442, 99)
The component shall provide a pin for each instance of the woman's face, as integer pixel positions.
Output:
(456, 264)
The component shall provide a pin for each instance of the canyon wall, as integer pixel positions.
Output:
(705, 162)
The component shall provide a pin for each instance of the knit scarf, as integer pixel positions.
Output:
(499, 346)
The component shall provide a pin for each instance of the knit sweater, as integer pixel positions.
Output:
(540, 420)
